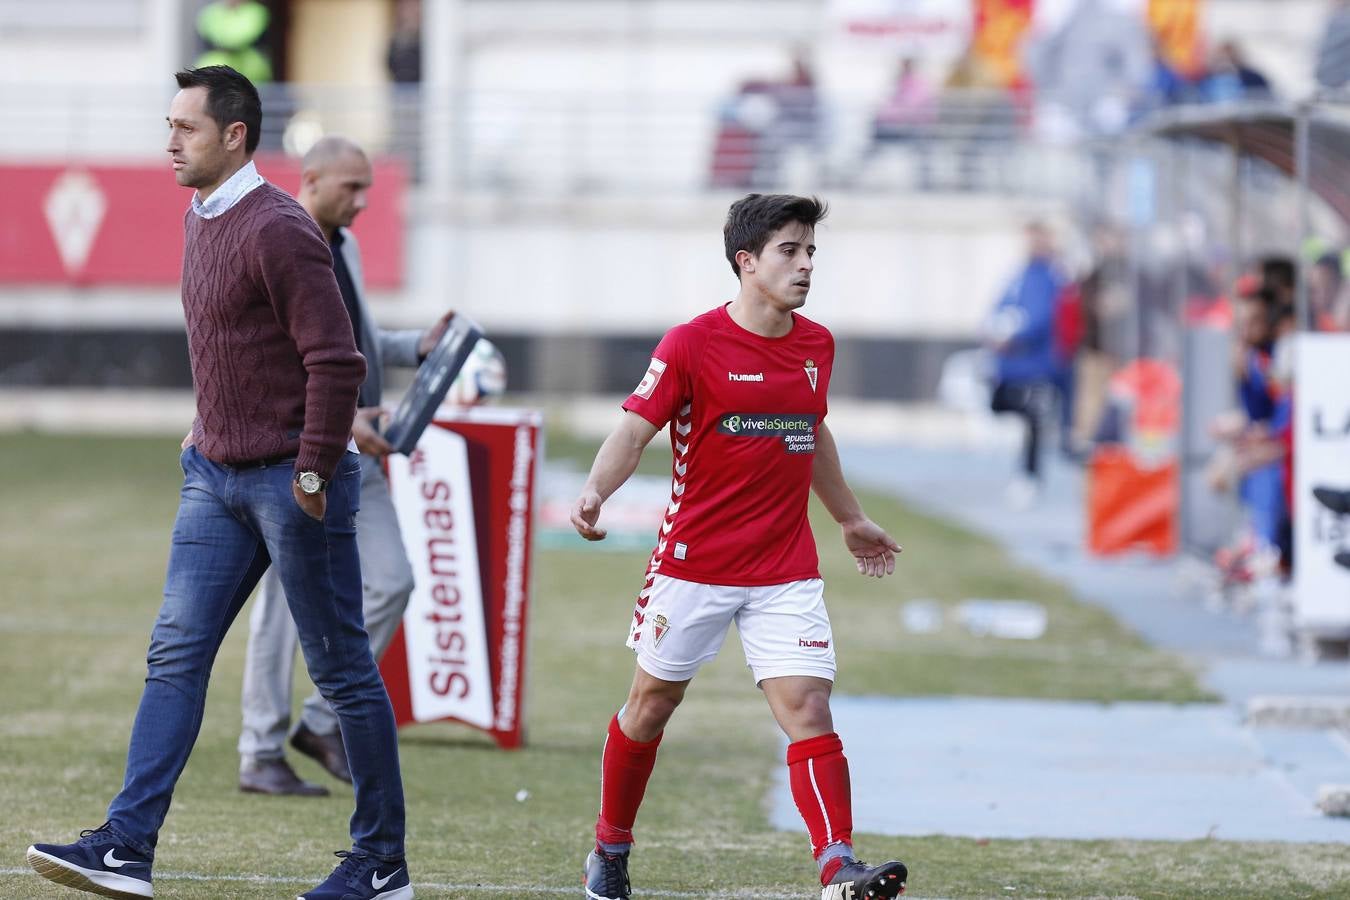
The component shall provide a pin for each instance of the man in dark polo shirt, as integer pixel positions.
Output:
(269, 479)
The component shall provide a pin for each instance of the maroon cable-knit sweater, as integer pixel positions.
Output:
(274, 363)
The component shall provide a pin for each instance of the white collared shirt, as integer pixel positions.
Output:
(228, 194)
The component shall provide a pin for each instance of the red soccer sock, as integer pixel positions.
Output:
(625, 766)
(818, 776)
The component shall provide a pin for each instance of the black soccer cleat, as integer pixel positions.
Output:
(606, 876)
(856, 880)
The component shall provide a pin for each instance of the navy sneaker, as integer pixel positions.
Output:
(361, 877)
(606, 875)
(856, 880)
(98, 863)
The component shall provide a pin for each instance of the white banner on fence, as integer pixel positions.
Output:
(1321, 460)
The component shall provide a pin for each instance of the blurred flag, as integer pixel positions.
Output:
(1175, 24)
(1000, 26)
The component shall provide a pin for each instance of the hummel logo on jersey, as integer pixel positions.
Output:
(838, 892)
(739, 376)
(113, 862)
(377, 882)
(803, 642)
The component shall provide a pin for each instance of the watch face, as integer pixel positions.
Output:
(310, 482)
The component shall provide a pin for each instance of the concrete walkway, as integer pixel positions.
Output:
(1020, 768)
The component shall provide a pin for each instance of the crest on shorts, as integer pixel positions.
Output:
(659, 628)
(811, 373)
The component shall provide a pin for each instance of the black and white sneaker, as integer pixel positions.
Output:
(856, 880)
(98, 863)
(361, 877)
(606, 876)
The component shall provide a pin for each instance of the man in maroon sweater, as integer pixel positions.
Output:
(270, 478)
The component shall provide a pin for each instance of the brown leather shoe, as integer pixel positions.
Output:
(326, 749)
(276, 777)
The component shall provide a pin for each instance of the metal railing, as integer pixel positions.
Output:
(573, 143)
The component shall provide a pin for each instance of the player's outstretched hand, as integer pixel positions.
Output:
(585, 513)
(872, 548)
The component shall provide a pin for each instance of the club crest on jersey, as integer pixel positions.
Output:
(649, 381)
(811, 373)
(660, 626)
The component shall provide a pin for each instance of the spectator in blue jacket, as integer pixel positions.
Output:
(1021, 336)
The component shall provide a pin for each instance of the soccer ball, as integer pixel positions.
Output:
(483, 376)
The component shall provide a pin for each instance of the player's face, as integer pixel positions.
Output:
(196, 143)
(783, 268)
(340, 188)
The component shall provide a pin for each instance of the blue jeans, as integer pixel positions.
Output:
(233, 522)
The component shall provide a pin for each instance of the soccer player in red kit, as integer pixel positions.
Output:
(743, 390)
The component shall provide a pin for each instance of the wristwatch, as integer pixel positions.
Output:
(310, 482)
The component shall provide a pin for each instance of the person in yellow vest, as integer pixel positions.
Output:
(232, 30)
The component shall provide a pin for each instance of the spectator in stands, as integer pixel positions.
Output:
(906, 117)
(404, 57)
(911, 105)
(742, 134)
(796, 126)
(760, 126)
(1333, 53)
(1021, 334)
(1231, 78)
(1165, 86)
(404, 62)
(233, 32)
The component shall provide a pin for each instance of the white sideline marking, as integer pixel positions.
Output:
(468, 888)
(428, 885)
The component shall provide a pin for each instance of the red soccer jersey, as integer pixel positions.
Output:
(743, 412)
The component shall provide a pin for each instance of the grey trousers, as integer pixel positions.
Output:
(386, 582)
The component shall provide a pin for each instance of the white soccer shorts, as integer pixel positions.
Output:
(784, 628)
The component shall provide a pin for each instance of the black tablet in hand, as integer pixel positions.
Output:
(430, 384)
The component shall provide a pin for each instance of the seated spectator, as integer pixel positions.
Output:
(1165, 86)
(906, 118)
(1231, 78)
(908, 110)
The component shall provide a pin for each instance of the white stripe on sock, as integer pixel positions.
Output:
(811, 771)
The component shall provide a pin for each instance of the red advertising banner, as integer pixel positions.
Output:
(74, 224)
(465, 502)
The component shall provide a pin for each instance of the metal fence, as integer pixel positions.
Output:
(573, 143)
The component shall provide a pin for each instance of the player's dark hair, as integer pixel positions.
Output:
(230, 98)
(753, 219)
